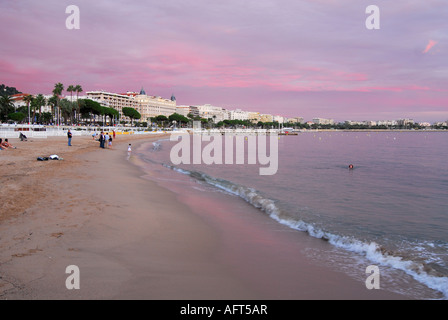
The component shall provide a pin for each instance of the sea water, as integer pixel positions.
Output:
(390, 210)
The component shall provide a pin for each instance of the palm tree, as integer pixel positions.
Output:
(66, 109)
(6, 106)
(40, 101)
(57, 91)
(53, 102)
(58, 88)
(78, 90)
(28, 99)
(71, 89)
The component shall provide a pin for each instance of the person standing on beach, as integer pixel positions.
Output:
(114, 134)
(110, 141)
(106, 139)
(101, 139)
(69, 136)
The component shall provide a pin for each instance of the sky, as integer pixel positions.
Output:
(295, 58)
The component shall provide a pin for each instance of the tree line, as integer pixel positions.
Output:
(63, 110)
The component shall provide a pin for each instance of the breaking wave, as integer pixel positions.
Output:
(372, 251)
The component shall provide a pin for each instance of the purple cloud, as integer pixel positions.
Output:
(296, 58)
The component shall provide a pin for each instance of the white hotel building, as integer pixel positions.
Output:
(113, 100)
(238, 114)
(323, 121)
(147, 106)
(278, 119)
(207, 111)
(152, 106)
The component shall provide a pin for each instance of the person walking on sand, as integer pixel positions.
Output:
(114, 134)
(129, 152)
(69, 136)
(110, 141)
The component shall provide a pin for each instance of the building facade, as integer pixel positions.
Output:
(266, 118)
(147, 106)
(238, 114)
(323, 121)
(295, 120)
(208, 111)
(114, 100)
(152, 106)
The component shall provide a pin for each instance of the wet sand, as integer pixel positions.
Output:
(134, 239)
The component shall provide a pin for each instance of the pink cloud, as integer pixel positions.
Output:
(217, 52)
(430, 44)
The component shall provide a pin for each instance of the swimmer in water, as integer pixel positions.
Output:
(350, 166)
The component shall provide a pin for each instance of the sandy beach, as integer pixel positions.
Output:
(133, 239)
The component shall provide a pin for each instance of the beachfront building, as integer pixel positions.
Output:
(153, 106)
(193, 111)
(387, 123)
(238, 114)
(253, 116)
(19, 101)
(405, 122)
(440, 124)
(147, 106)
(208, 111)
(114, 100)
(366, 123)
(183, 110)
(278, 119)
(295, 120)
(353, 123)
(266, 118)
(424, 124)
(321, 121)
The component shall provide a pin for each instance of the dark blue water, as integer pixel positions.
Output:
(391, 209)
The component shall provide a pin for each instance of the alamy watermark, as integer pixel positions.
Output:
(373, 20)
(227, 148)
(73, 280)
(73, 20)
(373, 280)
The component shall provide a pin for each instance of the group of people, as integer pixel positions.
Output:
(4, 145)
(105, 139)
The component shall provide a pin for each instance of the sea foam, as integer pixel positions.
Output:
(370, 250)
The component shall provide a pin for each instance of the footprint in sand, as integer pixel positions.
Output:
(57, 234)
(30, 252)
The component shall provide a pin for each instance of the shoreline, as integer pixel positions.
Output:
(122, 252)
(134, 239)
